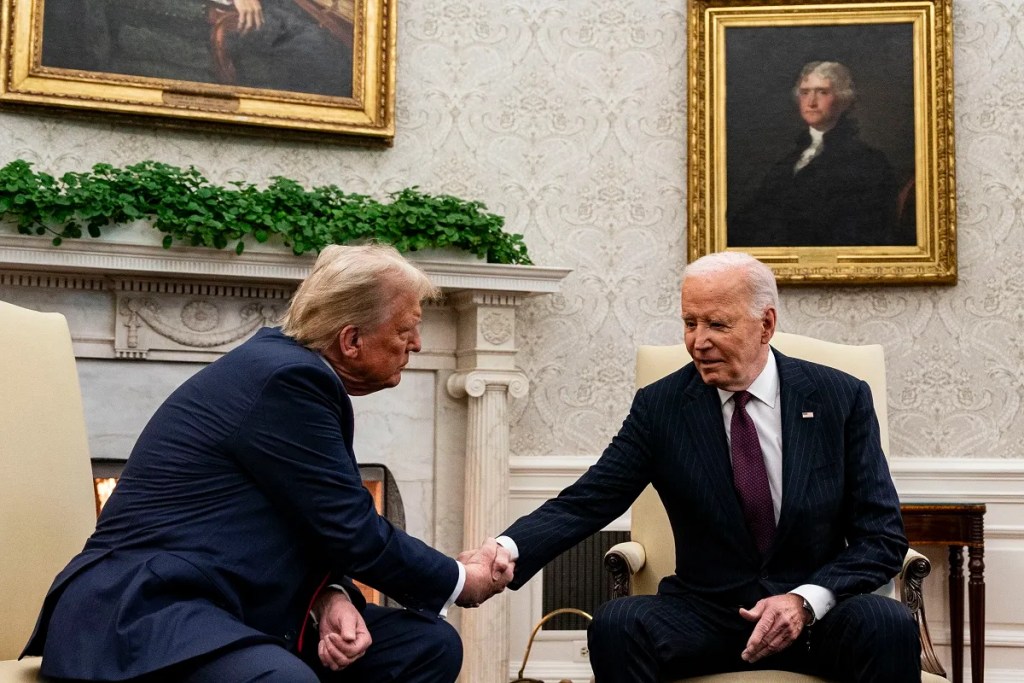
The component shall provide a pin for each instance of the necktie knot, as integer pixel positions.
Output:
(740, 398)
(808, 155)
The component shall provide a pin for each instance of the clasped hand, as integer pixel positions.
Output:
(344, 637)
(489, 568)
(779, 621)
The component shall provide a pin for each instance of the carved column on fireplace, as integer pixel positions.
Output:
(486, 376)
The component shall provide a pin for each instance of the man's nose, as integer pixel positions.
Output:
(415, 344)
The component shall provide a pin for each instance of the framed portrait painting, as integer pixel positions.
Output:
(821, 138)
(310, 66)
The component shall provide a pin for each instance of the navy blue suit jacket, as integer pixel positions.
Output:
(840, 525)
(240, 496)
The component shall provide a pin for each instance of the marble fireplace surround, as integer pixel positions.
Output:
(143, 319)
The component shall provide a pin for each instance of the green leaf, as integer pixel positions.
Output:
(187, 207)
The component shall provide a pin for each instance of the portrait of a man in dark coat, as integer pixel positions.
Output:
(831, 188)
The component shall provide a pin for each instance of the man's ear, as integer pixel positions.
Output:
(349, 341)
(768, 321)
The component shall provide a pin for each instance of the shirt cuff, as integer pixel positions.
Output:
(340, 589)
(820, 599)
(509, 545)
(455, 593)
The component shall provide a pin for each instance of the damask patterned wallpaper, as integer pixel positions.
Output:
(569, 118)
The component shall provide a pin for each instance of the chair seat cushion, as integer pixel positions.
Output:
(780, 677)
(23, 671)
(756, 677)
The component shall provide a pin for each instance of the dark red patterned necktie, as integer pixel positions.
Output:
(749, 474)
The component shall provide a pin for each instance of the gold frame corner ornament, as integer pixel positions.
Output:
(932, 259)
(366, 115)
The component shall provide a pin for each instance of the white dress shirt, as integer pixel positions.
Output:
(765, 410)
(817, 143)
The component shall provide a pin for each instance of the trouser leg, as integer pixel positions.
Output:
(646, 638)
(867, 639)
(260, 663)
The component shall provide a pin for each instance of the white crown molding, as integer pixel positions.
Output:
(958, 469)
(548, 465)
(944, 480)
(925, 468)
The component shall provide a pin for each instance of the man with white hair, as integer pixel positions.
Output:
(831, 189)
(781, 504)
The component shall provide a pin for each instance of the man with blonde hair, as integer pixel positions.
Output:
(228, 550)
(782, 509)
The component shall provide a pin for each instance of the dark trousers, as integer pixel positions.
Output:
(408, 647)
(650, 638)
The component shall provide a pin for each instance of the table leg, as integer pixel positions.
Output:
(976, 595)
(956, 610)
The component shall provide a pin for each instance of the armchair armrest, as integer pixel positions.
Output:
(915, 568)
(622, 561)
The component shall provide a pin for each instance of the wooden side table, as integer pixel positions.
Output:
(956, 526)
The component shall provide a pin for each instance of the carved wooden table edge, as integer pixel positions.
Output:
(956, 525)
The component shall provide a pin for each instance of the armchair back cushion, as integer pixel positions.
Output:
(47, 505)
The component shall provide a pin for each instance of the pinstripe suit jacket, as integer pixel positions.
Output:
(840, 525)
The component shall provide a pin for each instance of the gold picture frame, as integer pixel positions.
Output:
(316, 68)
(880, 204)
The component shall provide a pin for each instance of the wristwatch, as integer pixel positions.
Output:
(810, 613)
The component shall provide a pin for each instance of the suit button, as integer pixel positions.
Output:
(290, 635)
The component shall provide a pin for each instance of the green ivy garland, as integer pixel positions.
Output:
(188, 208)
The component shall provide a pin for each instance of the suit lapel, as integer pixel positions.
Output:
(801, 436)
(703, 418)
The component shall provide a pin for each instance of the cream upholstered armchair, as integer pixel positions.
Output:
(638, 565)
(47, 505)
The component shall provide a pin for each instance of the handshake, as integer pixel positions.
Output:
(488, 570)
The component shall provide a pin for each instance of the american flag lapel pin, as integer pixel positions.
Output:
(807, 414)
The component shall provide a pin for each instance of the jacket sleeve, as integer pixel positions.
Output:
(604, 492)
(871, 517)
(292, 445)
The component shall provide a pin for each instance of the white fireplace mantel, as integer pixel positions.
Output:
(130, 302)
(28, 253)
(194, 304)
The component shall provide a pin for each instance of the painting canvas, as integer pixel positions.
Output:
(823, 139)
(312, 65)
